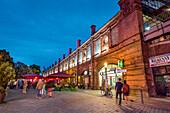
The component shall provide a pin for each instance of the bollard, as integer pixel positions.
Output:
(141, 96)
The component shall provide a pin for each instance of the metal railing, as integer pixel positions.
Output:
(156, 21)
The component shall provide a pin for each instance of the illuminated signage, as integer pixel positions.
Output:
(159, 60)
(120, 63)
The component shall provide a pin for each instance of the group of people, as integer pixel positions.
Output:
(41, 88)
(119, 86)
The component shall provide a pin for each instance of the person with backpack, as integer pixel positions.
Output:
(126, 91)
(50, 86)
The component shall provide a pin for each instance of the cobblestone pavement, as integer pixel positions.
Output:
(69, 102)
(162, 102)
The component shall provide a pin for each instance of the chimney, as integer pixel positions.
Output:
(63, 56)
(93, 29)
(43, 68)
(78, 43)
(69, 51)
(55, 62)
(58, 60)
(52, 65)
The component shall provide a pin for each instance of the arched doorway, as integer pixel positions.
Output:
(112, 75)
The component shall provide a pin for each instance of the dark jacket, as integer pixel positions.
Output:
(118, 86)
(50, 84)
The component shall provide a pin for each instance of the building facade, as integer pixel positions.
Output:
(136, 37)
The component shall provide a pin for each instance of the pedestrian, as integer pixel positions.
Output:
(25, 86)
(50, 85)
(29, 85)
(39, 88)
(118, 89)
(15, 84)
(43, 90)
(126, 91)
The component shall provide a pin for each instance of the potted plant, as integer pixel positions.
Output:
(7, 73)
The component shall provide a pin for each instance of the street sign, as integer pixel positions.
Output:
(121, 71)
(112, 69)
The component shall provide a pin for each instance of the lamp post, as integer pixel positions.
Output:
(106, 81)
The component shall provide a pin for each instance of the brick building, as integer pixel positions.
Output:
(136, 35)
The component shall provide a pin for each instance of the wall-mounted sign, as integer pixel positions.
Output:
(120, 63)
(160, 60)
(121, 71)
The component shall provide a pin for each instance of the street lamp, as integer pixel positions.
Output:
(106, 82)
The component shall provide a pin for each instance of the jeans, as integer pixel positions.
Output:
(39, 94)
(120, 96)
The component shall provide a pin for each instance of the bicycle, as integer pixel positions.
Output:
(107, 93)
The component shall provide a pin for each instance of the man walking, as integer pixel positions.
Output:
(118, 89)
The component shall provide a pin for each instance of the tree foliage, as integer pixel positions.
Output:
(7, 71)
(22, 70)
(35, 69)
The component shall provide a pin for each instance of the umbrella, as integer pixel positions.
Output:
(60, 75)
(31, 76)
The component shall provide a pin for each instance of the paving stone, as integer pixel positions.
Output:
(148, 110)
(156, 110)
(160, 111)
(68, 102)
(152, 110)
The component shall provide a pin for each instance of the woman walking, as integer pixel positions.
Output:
(126, 91)
(25, 86)
(50, 85)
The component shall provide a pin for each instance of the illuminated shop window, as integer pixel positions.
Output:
(98, 48)
(67, 63)
(88, 52)
(80, 57)
(75, 60)
(84, 56)
(71, 62)
(61, 68)
(105, 44)
(56, 70)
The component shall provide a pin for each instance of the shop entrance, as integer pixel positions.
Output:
(162, 80)
(112, 76)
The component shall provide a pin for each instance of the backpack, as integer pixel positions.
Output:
(125, 88)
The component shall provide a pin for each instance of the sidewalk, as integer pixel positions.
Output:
(163, 103)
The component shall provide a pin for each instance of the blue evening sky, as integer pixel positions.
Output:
(41, 31)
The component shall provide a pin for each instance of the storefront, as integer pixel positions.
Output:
(160, 66)
(113, 73)
(84, 80)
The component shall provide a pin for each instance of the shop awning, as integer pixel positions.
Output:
(60, 75)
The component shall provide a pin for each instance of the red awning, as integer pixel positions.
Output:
(32, 76)
(60, 75)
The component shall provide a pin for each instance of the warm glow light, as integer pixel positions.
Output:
(35, 77)
(148, 28)
(105, 65)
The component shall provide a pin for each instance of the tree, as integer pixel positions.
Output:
(35, 69)
(7, 71)
(22, 69)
